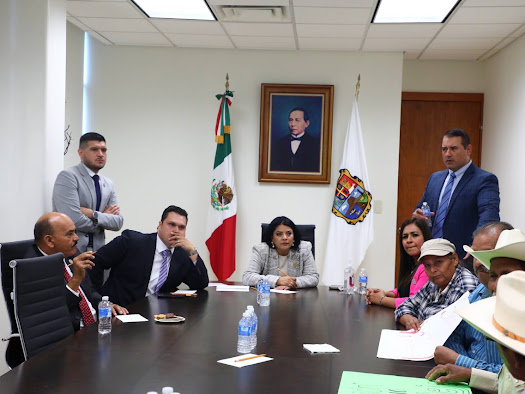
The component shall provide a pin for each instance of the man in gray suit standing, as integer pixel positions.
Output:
(88, 198)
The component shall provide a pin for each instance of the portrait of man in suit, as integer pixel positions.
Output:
(295, 145)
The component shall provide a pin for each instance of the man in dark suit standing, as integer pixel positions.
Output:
(298, 151)
(463, 197)
(146, 264)
(55, 233)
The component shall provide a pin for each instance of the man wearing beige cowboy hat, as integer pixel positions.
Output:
(500, 318)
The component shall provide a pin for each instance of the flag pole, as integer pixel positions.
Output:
(227, 84)
(357, 86)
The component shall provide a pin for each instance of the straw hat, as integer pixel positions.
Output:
(501, 317)
(436, 247)
(511, 243)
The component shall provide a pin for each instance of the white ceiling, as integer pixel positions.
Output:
(476, 30)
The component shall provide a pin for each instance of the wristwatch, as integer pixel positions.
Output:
(194, 252)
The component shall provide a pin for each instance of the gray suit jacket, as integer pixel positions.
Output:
(264, 264)
(74, 188)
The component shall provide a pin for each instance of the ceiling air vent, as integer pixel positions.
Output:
(241, 13)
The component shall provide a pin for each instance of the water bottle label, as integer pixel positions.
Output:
(244, 331)
(104, 312)
(363, 279)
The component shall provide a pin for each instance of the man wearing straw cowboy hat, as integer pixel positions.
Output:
(500, 318)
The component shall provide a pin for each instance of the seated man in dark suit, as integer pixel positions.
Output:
(298, 151)
(55, 233)
(145, 264)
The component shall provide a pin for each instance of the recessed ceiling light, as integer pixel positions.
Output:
(176, 9)
(413, 11)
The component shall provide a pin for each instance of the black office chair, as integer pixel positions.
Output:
(14, 354)
(42, 315)
(307, 233)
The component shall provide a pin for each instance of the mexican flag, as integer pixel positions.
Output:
(222, 211)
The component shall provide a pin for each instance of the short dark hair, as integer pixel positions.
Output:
(305, 114)
(268, 233)
(42, 228)
(90, 137)
(175, 209)
(465, 139)
(492, 226)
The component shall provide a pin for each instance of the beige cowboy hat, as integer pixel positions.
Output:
(436, 247)
(501, 317)
(511, 244)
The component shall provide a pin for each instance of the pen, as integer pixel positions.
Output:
(251, 357)
(253, 288)
(285, 274)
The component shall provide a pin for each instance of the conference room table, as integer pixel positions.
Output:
(146, 356)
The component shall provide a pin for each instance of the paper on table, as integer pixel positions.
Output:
(232, 288)
(283, 291)
(420, 345)
(184, 292)
(212, 284)
(240, 364)
(358, 382)
(320, 348)
(133, 318)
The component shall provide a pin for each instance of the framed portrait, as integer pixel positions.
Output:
(296, 133)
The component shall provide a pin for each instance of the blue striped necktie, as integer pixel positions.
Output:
(163, 275)
(437, 230)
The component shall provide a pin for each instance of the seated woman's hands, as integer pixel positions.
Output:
(410, 322)
(287, 281)
(374, 296)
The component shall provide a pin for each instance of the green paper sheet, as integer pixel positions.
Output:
(370, 383)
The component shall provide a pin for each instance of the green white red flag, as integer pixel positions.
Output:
(222, 211)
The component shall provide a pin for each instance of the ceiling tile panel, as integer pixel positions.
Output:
(77, 23)
(341, 16)
(99, 37)
(348, 31)
(245, 42)
(394, 44)
(330, 44)
(489, 15)
(476, 30)
(122, 25)
(518, 32)
(464, 44)
(494, 3)
(200, 41)
(188, 27)
(333, 3)
(406, 30)
(153, 39)
(102, 9)
(450, 54)
(260, 29)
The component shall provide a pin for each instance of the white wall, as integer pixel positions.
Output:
(157, 110)
(443, 76)
(504, 128)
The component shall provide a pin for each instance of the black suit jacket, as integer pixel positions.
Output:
(130, 258)
(305, 159)
(72, 300)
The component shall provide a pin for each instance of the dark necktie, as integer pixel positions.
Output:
(437, 230)
(97, 191)
(292, 138)
(163, 275)
(87, 317)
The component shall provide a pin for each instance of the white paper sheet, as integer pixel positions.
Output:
(239, 364)
(420, 345)
(283, 291)
(320, 348)
(232, 288)
(184, 292)
(213, 284)
(133, 318)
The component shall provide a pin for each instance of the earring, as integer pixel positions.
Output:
(273, 246)
(293, 243)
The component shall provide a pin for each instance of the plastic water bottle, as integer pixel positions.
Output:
(259, 291)
(363, 281)
(245, 328)
(104, 316)
(255, 324)
(348, 286)
(426, 211)
(265, 293)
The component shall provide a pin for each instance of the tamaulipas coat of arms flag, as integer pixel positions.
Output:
(222, 211)
(351, 220)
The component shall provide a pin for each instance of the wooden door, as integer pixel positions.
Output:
(425, 117)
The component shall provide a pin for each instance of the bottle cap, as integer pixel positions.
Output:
(167, 390)
(105, 298)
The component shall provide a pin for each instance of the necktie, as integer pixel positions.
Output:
(97, 191)
(293, 138)
(87, 317)
(163, 275)
(437, 230)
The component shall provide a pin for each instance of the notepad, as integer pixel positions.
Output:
(231, 361)
(321, 348)
(232, 288)
(133, 318)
